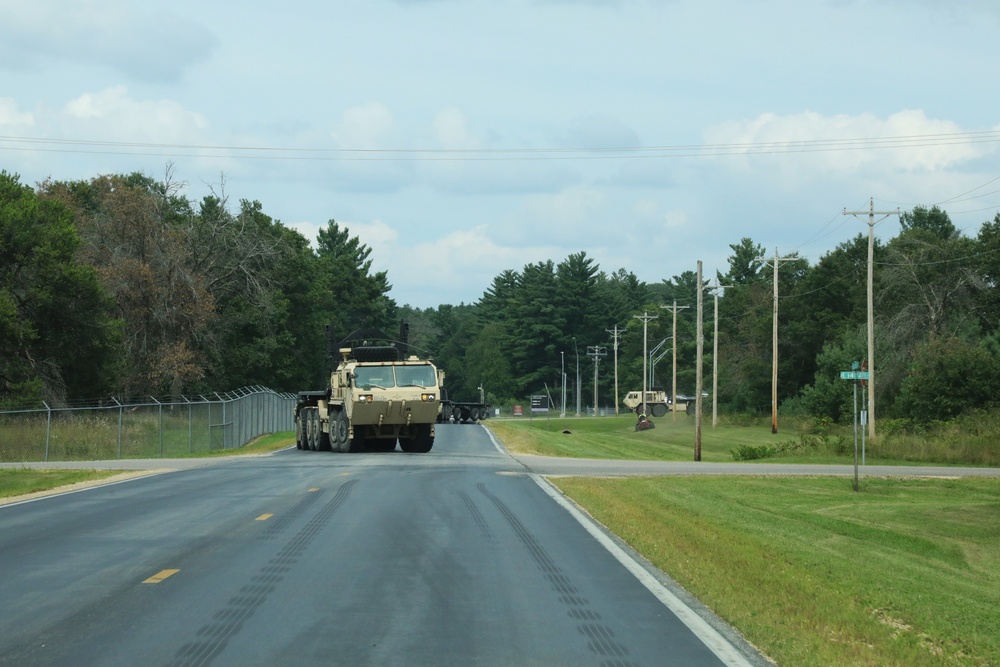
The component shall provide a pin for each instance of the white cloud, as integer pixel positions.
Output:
(116, 34)
(452, 130)
(906, 140)
(575, 209)
(10, 115)
(113, 113)
(366, 127)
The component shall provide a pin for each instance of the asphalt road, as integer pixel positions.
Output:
(456, 557)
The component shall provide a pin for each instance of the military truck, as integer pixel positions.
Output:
(378, 395)
(658, 403)
(459, 411)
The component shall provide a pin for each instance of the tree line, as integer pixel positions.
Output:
(120, 285)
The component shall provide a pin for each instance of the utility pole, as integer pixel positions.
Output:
(701, 349)
(715, 353)
(774, 345)
(562, 382)
(596, 352)
(615, 334)
(673, 387)
(871, 305)
(645, 317)
(577, 350)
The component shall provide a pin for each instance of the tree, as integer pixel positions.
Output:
(56, 338)
(352, 296)
(947, 377)
(927, 288)
(132, 233)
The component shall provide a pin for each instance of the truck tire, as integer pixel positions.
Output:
(658, 409)
(300, 433)
(339, 432)
(420, 443)
(311, 417)
(382, 445)
(356, 444)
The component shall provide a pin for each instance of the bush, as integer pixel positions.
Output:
(752, 452)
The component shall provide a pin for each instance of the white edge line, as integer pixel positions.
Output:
(718, 644)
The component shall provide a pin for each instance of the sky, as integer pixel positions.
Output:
(458, 139)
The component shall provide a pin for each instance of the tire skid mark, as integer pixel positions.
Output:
(477, 516)
(288, 517)
(227, 622)
(601, 638)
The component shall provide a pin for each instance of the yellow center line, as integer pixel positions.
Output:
(160, 576)
(314, 489)
(263, 517)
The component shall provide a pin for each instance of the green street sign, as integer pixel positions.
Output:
(853, 375)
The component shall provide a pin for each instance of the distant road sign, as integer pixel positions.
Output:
(539, 403)
(853, 375)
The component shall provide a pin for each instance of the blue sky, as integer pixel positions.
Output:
(460, 138)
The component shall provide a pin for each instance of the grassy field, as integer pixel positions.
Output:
(19, 481)
(905, 573)
(616, 438)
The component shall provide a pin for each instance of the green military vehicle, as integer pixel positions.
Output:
(378, 395)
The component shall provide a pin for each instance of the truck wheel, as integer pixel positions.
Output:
(339, 432)
(300, 435)
(658, 409)
(421, 442)
(382, 445)
(310, 428)
(355, 444)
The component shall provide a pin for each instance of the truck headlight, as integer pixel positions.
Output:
(365, 398)
(427, 397)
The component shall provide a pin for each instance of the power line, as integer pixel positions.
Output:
(42, 144)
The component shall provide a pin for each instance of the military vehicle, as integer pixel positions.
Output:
(463, 411)
(378, 395)
(659, 404)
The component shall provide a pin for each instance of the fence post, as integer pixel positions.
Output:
(121, 414)
(190, 432)
(223, 401)
(48, 429)
(159, 426)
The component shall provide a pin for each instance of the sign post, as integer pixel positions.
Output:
(855, 375)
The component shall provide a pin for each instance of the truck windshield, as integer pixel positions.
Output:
(373, 376)
(384, 377)
(415, 376)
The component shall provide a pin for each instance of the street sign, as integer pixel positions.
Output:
(853, 375)
(539, 403)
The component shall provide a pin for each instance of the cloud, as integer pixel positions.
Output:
(905, 141)
(113, 113)
(10, 115)
(121, 36)
(366, 127)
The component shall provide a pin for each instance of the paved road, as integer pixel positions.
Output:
(456, 557)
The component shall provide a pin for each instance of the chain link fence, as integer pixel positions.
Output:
(144, 428)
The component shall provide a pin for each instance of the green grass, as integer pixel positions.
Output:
(262, 445)
(616, 438)
(906, 572)
(17, 482)
(96, 436)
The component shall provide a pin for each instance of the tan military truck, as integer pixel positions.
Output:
(378, 395)
(658, 403)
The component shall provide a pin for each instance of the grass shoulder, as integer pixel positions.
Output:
(672, 439)
(19, 482)
(903, 573)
